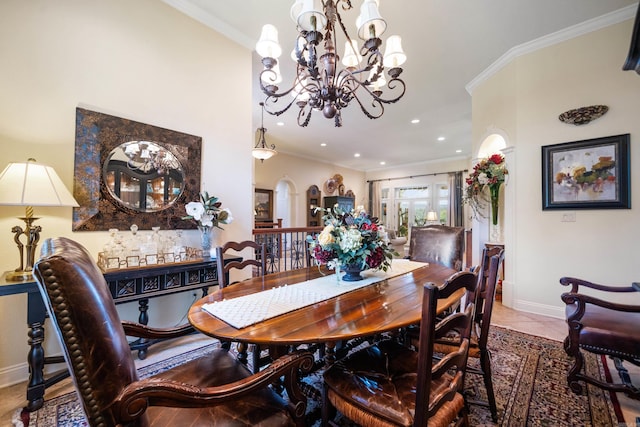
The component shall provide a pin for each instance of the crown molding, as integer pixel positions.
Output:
(563, 35)
(211, 21)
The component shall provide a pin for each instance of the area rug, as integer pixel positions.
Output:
(529, 381)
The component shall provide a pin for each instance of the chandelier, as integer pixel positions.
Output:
(319, 84)
(148, 157)
(262, 150)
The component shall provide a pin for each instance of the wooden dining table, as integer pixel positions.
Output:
(387, 305)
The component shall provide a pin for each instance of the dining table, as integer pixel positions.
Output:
(393, 301)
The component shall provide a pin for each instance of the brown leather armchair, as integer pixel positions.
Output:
(437, 243)
(215, 389)
(601, 327)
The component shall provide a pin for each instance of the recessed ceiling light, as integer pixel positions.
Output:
(415, 121)
(324, 144)
(458, 151)
(383, 163)
(280, 123)
(441, 138)
(356, 155)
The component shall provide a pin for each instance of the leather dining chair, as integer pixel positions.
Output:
(214, 389)
(440, 244)
(257, 263)
(389, 384)
(598, 325)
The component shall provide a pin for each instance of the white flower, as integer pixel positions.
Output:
(206, 220)
(482, 178)
(325, 237)
(195, 209)
(229, 216)
(351, 240)
(383, 235)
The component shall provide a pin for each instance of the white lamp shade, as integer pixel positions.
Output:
(393, 54)
(268, 45)
(33, 184)
(263, 153)
(370, 24)
(351, 57)
(432, 216)
(311, 16)
(295, 10)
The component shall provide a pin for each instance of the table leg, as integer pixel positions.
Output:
(242, 352)
(36, 314)
(143, 318)
(330, 353)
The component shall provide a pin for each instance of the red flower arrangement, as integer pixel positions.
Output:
(490, 172)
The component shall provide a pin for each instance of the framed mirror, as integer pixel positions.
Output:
(128, 172)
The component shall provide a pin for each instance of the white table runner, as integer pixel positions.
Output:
(250, 309)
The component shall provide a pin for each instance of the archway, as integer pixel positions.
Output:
(285, 202)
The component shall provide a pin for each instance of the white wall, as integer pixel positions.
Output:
(140, 60)
(524, 100)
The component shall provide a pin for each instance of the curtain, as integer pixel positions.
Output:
(374, 199)
(456, 214)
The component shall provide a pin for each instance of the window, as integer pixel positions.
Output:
(411, 205)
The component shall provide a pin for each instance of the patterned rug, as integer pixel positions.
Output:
(529, 381)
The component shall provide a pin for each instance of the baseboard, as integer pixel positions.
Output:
(541, 309)
(14, 374)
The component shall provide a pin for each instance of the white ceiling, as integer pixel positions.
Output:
(449, 43)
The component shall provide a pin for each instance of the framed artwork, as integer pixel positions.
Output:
(589, 174)
(263, 205)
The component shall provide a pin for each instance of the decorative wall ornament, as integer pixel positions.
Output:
(583, 115)
(115, 196)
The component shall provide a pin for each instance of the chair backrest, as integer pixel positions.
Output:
(85, 318)
(437, 243)
(431, 329)
(486, 292)
(258, 263)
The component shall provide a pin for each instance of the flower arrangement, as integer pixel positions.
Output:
(207, 212)
(490, 172)
(351, 239)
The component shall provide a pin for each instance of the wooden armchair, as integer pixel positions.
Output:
(601, 327)
(389, 384)
(214, 389)
(258, 266)
(484, 299)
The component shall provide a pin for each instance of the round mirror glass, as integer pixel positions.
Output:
(143, 176)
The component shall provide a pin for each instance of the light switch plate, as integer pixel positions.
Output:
(569, 217)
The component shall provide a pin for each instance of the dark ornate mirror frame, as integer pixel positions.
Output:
(96, 135)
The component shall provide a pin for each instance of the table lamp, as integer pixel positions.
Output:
(432, 218)
(30, 184)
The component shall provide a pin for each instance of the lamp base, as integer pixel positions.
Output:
(19, 276)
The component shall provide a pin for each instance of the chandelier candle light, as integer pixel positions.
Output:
(319, 84)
